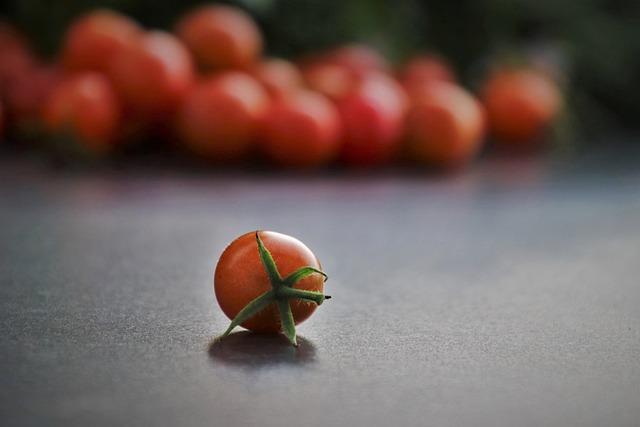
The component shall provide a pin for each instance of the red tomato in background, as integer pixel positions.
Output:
(16, 57)
(85, 108)
(92, 41)
(444, 126)
(1, 121)
(278, 76)
(424, 69)
(152, 75)
(221, 37)
(26, 94)
(301, 131)
(360, 59)
(331, 80)
(521, 104)
(372, 121)
(218, 119)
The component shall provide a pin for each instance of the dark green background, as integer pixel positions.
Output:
(595, 42)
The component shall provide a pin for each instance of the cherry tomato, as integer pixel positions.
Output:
(444, 126)
(1, 121)
(92, 40)
(278, 76)
(372, 121)
(85, 108)
(152, 75)
(221, 37)
(16, 56)
(331, 80)
(301, 131)
(521, 104)
(219, 118)
(240, 277)
(360, 59)
(423, 69)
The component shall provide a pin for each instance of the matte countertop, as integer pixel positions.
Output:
(508, 295)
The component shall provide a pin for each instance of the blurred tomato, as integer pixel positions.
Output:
(372, 118)
(152, 75)
(520, 103)
(218, 119)
(444, 126)
(424, 69)
(360, 59)
(221, 37)
(1, 121)
(278, 76)
(92, 40)
(16, 57)
(85, 109)
(26, 94)
(331, 80)
(301, 131)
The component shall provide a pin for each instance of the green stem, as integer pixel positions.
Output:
(288, 324)
(287, 293)
(300, 274)
(250, 310)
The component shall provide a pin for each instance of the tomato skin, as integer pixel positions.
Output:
(372, 121)
(28, 92)
(521, 104)
(85, 106)
(93, 39)
(278, 76)
(240, 277)
(221, 37)
(219, 117)
(444, 126)
(332, 80)
(423, 69)
(301, 131)
(152, 75)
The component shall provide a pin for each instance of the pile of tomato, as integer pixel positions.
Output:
(207, 89)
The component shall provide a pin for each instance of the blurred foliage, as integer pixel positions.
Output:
(595, 42)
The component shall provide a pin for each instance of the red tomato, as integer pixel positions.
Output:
(331, 80)
(278, 76)
(93, 40)
(372, 119)
(521, 104)
(153, 74)
(1, 121)
(240, 277)
(360, 59)
(221, 37)
(444, 126)
(28, 92)
(218, 120)
(85, 108)
(301, 131)
(424, 69)
(16, 57)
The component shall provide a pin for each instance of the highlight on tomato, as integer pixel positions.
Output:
(372, 116)
(84, 109)
(278, 76)
(521, 104)
(219, 118)
(301, 131)
(152, 75)
(221, 37)
(268, 282)
(444, 126)
(93, 39)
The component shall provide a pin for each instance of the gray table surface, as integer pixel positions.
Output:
(505, 296)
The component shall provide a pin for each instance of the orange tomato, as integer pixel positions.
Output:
(301, 131)
(221, 37)
(278, 76)
(240, 277)
(372, 117)
(218, 119)
(85, 108)
(520, 103)
(331, 80)
(92, 40)
(424, 69)
(152, 75)
(444, 126)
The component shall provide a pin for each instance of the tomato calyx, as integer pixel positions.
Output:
(281, 292)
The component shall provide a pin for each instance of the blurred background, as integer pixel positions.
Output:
(589, 51)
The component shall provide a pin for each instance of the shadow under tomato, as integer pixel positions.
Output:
(253, 350)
